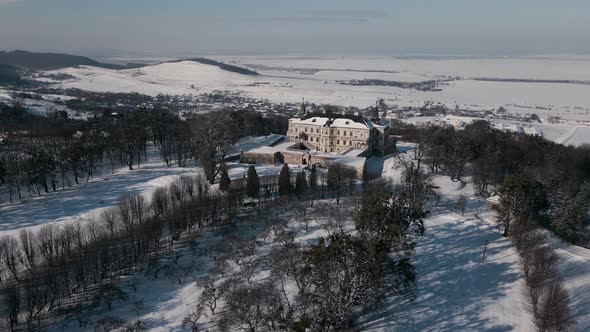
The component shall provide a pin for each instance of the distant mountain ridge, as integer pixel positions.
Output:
(49, 61)
(52, 61)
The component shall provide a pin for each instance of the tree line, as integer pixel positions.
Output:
(62, 271)
(35, 161)
(539, 175)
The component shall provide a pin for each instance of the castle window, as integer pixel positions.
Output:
(337, 141)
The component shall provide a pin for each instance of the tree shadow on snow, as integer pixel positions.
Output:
(454, 286)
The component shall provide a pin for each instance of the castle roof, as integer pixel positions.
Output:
(334, 120)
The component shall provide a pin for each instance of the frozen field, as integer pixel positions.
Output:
(288, 79)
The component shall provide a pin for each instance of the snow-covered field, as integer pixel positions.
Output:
(456, 290)
(84, 202)
(288, 79)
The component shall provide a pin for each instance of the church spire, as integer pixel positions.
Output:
(375, 115)
(302, 110)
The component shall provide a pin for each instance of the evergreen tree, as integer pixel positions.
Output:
(225, 181)
(252, 183)
(284, 180)
(373, 219)
(522, 199)
(300, 184)
(571, 214)
(313, 179)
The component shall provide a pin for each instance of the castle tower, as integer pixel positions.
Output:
(302, 110)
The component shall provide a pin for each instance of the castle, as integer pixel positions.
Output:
(339, 132)
(324, 138)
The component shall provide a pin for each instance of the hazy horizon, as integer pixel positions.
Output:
(330, 27)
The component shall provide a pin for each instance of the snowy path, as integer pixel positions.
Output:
(567, 136)
(456, 290)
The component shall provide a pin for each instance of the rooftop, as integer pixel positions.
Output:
(334, 120)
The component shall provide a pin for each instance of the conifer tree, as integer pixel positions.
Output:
(284, 181)
(571, 213)
(313, 178)
(252, 183)
(300, 184)
(521, 198)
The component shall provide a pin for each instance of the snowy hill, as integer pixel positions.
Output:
(177, 78)
(522, 86)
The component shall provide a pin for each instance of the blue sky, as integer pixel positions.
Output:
(174, 27)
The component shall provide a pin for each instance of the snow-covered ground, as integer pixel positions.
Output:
(86, 200)
(574, 269)
(456, 290)
(288, 79)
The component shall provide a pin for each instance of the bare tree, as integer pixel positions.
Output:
(11, 301)
(211, 294)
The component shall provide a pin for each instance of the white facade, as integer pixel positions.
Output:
(334, 133)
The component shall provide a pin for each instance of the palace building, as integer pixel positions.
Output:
(326, 138)
(339, 133)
